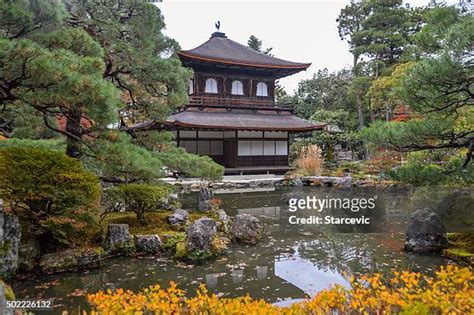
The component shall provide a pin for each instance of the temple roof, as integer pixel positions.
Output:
(222, 50)
(241, 120)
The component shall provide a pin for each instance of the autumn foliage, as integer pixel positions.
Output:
(449, 291)
(309, 161)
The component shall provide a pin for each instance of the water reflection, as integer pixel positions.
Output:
(291, 263)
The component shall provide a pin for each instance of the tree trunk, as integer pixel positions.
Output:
(73, 127)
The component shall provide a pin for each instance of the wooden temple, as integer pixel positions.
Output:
(231, 115)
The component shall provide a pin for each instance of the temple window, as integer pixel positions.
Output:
(262, 89)
(237, 88)
(211, 86)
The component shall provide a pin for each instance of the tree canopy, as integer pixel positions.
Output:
(88, 71)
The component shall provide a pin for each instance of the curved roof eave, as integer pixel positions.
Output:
(302, 66)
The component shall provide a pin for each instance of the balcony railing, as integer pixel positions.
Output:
(234, 102)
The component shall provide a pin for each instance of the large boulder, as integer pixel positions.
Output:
(71, 259)
(425, 233)
(10, 234)
(179, 216)
(119, 240)
(200, 234)
(29, 255)
(246, 229)
(148, 244)
(205, 199)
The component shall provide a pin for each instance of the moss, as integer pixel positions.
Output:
(461, 247)
(171, 239)
(9, 294)
(5, 247)
(156, 222)
(181, 250)
(218, 246)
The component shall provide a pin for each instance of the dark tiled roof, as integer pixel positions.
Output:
(221, 49)
(241, 120)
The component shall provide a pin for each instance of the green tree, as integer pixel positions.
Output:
(439, 88)
(42, 74)
(342, 130)
(50, 191)
(139, 59)
(349, 22)
(256, 44)
(76, 68)
(140, 198)
(324, 91)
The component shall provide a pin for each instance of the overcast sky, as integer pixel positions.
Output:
(301, 31)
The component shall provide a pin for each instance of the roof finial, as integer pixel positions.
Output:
(218, 25)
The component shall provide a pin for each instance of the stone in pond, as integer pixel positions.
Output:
(71, 259)
(205, 199)
(200, 234)
(179, 216)
(148, 244)
(425, 233)
(10, 234)
(119, 240)
(246, 229)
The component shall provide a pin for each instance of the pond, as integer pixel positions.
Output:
(292, 261)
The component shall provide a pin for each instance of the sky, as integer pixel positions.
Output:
(300, 31)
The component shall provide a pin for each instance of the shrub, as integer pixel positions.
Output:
(450, 291)
(192, 165)
(309, 161)
(50, 191)
(141, 198)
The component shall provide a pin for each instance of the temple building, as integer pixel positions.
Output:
(231, 115)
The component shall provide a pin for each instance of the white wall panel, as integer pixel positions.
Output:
(276, 134)
(281, 148)
(256, 148)
(250, 134)
(187, 134)
(244, 148)
(269, 148)
(211, 134)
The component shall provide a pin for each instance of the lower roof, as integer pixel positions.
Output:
(241, 120)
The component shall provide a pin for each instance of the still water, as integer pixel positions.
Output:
(291, 263)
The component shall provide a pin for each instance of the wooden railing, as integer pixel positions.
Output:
(234, 102)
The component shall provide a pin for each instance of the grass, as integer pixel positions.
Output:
(156, 222)
(461, 246)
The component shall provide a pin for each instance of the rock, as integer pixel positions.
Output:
(71, 259)
(202, 241)
(179, 216)
(205, 199)
(224, 221)
(425, 233)
(246, 229)
(29, 253)
(10, 234)
(119, 240)
(6, 294)
(200, 233)
(345, 181)
(297, 182)
(148, 244)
